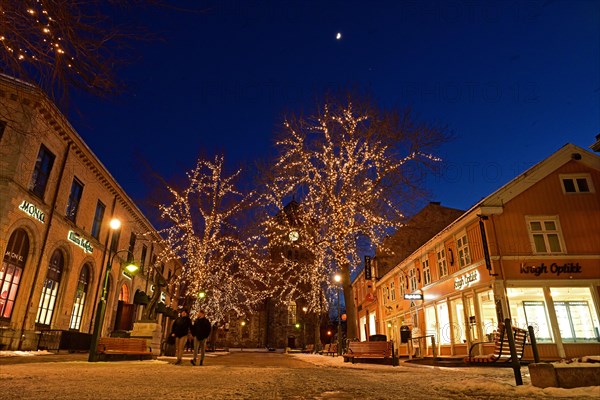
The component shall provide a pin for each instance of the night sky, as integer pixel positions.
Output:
(514, 81)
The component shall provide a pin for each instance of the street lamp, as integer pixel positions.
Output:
(304, 310)
(338, 279)
(101, 309)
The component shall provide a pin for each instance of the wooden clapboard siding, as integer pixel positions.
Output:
(579, 214)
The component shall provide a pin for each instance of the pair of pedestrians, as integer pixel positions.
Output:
(200, 329)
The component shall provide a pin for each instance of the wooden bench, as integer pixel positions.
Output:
(360, 351)
(123, 348)
(309, 348)
(329, 349)
(503, 356)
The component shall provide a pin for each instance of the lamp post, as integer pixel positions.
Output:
(338, 279)
(101, 309)
(304, 310)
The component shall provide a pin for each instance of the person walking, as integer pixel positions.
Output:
(180, 329)
(201, 332)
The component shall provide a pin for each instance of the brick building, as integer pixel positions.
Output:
(56, 201)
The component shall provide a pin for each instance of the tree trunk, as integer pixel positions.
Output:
(351, 329)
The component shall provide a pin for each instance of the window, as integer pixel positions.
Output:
(402, 287)
(386, 295)
(488, 318)
(80, 297)
(441, 261)
(426, 271)
(545, 235)
(458, 321)
(392, 291)
(292, 313)
(13, 263)
(577, 183)
(412, 278)
(444, 326)
(74, 199)
(50, 289)
(462, 246)
(41, 172)
(143, 257)
(114, 242)
(98, 217)
(576, 314)
(528, 307)
(132, 239)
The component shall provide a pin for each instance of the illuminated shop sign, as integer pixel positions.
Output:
(413, 296)
(554, 268)
(466, 280)
(81, 242)
(32, 211)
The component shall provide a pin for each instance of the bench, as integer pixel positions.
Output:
(508, 351)
(309, 348)
(110, 348)
(360, 351)
(329, 349)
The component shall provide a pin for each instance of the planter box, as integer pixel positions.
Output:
(566, 376)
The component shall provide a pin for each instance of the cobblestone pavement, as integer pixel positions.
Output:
(248, 375)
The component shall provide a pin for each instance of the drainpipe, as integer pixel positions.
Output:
(102, 265)
(43, 248)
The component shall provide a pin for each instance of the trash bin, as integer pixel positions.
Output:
(378, 338)
(404, 333)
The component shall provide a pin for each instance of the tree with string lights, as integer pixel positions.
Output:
(221, 267)
(352, 168)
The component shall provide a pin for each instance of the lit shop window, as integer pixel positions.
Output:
(488, 317)
(431, 323)
(577, 183)
(13, 263)
(576, 314)
(458, 324)
(444, 323)
(80, 297)
(545, 235)
(528, 308)
(50, 288)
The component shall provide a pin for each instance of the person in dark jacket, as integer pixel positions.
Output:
(180, 329)
(201, 332)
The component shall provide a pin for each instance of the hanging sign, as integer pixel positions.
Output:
(413, 296)
(81, 242)
(32, 211)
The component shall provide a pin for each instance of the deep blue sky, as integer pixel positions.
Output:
(514, 81)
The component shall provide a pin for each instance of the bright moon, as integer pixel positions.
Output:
(338, 36)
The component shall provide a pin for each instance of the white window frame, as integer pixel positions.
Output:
(402, 286)
(574, 178)
(545, 218)
(426, 270)
(462, 250)
(442, 263)
(392, 291)
(412, 277)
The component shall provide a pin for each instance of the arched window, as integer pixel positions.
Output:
(50, 289)
(80, 297)
(13, 263)
(124, 294)
(292, 313)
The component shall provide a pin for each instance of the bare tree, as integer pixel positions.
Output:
(350, 169)
(203, 232)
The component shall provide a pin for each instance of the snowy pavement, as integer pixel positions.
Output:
(250, 375)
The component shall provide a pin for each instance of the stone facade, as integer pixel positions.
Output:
(55, 247)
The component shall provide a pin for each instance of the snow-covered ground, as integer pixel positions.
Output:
(251, 375)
